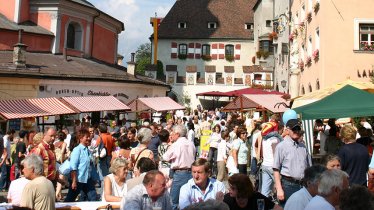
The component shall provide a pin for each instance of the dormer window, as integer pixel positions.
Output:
(74, 36)
(212, 24)
(182, 25)
(249, 26)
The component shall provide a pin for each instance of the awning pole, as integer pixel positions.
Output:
(241, 107)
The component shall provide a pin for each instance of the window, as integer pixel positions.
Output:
(182, 49)
(366, 35)
(310, 88)
(182, 25)
(317, 85)
(316, 39)
(74, 36)
(257, 77)
(266, 46)
(310, 50)
(249, 26)
(205, 49)
(284, 48)
(218, 75)
(302, 90)
(268, 23)
(212, 25)
(229, 50)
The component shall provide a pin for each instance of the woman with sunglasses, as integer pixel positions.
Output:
(240, 150)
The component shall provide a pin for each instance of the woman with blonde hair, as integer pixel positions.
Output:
(354, 157)
(115, 183)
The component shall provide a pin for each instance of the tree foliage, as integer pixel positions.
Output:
(143, 57)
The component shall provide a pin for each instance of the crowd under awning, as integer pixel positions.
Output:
(96, 103)
(158, 104)
(36, 107)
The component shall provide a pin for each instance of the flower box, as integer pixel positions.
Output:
(301, 64)
(308, 17)
(229, 58)
(273, 35)
(315, 55)
(182, 56)
(365, 46)
(206, 57)
(308, 61)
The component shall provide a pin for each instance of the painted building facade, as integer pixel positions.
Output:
(331, 42)
(209, 45)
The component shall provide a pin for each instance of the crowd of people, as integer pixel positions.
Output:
(250, 164)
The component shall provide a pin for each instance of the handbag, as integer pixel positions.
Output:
(65, 168)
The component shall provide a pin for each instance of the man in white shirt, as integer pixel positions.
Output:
(5, 160)
(301, 198)
(332, 182)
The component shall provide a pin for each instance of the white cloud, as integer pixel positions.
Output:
(135, 14)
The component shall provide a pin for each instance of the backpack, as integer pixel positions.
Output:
(101, 150)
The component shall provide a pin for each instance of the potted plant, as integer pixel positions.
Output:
(301, 64)
(182, 56)
(316, 7)
(366, 46)
(229, 58)
(206, 57)
(259, 54)
(316, 55)
(308, 17)
(308, 61)
(273, 35)
(265, 54)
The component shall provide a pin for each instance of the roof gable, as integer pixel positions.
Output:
(230, 16)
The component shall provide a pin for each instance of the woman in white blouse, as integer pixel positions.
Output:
(115, 183)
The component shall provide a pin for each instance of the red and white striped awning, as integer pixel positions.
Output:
(158, 104)
(96, 103)
(273, 103)
(36, 107)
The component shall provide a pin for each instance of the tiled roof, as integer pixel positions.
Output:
(171, 68)
(191, 69)
(230, 16)
(210, 69)
(45, 65)
(28, 26)
(229, 69)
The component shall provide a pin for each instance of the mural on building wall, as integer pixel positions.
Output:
(210, 79)
(191, 79)
(229, 80)
(170, 79)
(247, 81)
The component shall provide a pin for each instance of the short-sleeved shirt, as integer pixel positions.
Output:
(298, 200)
(190, 193)
(291, 158)
(39, 194)
(319, 202)
(80, 162)
(252, 202)
(46, 152)
(15, 190)
(242, 148)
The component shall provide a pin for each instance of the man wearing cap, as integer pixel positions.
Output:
(291, 158)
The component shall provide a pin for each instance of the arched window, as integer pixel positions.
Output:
(74, 36)
(310, 88)
(317, 85)
(302, 90)
(229, 50)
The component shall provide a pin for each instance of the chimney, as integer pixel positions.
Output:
(131, 65)
(19, 52)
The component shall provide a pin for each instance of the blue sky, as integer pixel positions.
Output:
(135, 14)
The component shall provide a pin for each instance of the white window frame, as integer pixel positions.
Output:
(180, 24)
(212, 23)
(356, 30)
(248, 26)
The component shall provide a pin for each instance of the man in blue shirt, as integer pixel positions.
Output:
(200, 187)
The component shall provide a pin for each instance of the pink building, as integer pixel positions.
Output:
(330, 42)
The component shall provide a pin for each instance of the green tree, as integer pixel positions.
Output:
(143, 57)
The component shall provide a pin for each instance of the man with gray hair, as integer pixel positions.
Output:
(181, 155)
(301, 198)
(332, 182)
(39, 193)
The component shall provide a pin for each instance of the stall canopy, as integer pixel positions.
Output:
(96, 103)
(36, 107)
(213, 93)
(249, 91)
(273, 103)
(157, 104)
(319, 94)
(346, 102)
